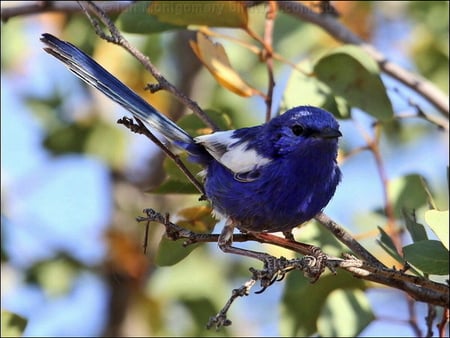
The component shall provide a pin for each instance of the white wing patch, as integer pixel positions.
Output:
(222, 146)
(241, 160)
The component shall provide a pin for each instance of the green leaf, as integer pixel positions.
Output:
(200, 275)
(303, 301)
(67, 139)
(176, 181)
(47, 110)
(197, 219)
(202, 13)
(137, 19)
(201, 309)
(171, 252)
(407, 192)
(438, 222)
(159, 16)
(108, 142)
(416, 230)
(92, 136)
(317, 94)
(175, 186)
(313, 233)
(429, 49)
(353, 74)
(13, 325)
(192, 124)
(430, 256)
(387, 244)
(430, 197)
(54, 276)
(345, 314)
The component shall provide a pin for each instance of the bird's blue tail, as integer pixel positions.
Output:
(92, 73)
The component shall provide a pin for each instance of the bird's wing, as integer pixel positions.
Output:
(231, 153)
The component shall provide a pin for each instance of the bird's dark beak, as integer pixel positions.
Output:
(328, 133)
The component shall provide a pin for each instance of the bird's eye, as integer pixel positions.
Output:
(297, 130)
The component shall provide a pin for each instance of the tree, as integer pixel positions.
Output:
(273, 55)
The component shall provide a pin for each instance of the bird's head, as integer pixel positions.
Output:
(302, 128)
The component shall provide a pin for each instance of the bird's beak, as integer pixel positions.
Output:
(328, 133)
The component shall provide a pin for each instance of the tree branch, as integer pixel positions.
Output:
(268, 43)
(327, 22)
(419, 288)
(337, 30)
(117, 38)
(344, 237)
(11, 9)
(140, 128)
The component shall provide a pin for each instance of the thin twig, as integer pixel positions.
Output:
(443, 323)
(11, 9)
(221, 319)
(397, 276)
(117, 38)
(429, 319)
(328, 22)
(252, 48)
(420, 113)
(417, 287)
(373, 147)
(140, 128)
(347, 239)
(268, 55)
(274, 271)
(412, 317)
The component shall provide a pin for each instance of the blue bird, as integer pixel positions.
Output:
(268, 178)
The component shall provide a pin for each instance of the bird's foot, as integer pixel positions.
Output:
(275, 269)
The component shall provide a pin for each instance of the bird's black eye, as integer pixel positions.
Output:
(298, 129)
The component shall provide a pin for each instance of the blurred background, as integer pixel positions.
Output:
(73, 181)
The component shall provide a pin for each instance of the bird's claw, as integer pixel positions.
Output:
(315, 265)
(275, 269)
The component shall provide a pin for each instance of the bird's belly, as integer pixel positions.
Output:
(270, 203)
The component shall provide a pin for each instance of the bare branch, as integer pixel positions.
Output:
(429, 320)
(412, 320)
(443, 323)
(328, 22)
(11, 9)
(140, 128)
(117, 38)
(419, 288)
(374, 148)
(347, 239)
(268, 42)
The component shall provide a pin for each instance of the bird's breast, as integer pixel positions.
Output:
(285, 194)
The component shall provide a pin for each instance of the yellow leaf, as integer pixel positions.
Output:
(205, 13)
(215, 59)
(197, 219)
